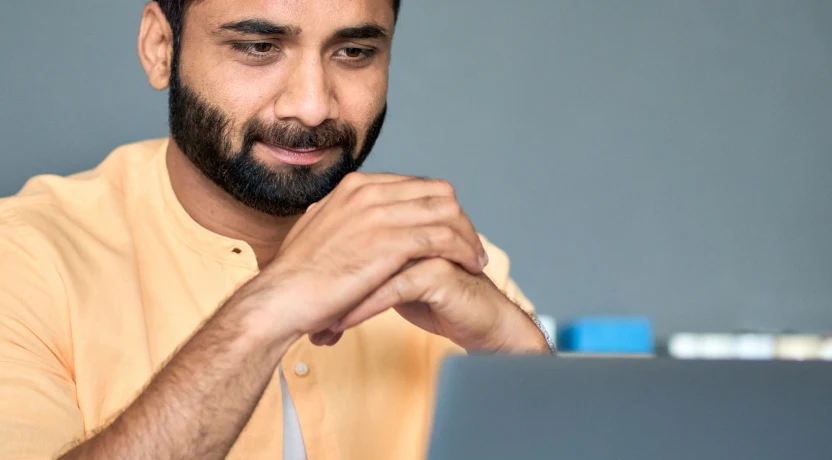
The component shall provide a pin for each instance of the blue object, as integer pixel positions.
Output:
(608, 334)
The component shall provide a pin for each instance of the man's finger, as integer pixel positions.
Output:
(411, 188)
(351, 181)
(429, 210)
(432, 241)
(354, 181)
(411, 285)
(325, 338)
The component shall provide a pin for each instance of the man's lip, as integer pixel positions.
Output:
(297, 157)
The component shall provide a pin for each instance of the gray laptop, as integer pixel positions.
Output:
(518, 408)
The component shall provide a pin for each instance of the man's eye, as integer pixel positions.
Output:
(355, 54)
(255, 49)
(262, 47)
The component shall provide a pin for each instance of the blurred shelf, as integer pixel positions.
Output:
(606, 355)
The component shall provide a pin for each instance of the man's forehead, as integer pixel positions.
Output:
(307, 15)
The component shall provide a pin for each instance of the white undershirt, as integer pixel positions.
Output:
(293, 448)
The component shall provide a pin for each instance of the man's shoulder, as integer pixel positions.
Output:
(55, 207)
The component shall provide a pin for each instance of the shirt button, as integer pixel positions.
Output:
(301, 369)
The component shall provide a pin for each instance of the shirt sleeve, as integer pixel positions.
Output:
(39, 415)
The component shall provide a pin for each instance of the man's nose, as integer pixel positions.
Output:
(307, 97)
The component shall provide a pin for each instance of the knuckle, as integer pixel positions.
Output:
(376, 214)
(444, 187)
(442, 236)
(353, 180)
(431, 203)
(439, 266)
(442, 205)
(452, 208)
(399, 288)
(422, 238)
(367, 193)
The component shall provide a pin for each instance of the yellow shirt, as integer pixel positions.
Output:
(104, 274)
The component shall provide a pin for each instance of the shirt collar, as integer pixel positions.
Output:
(226, 250)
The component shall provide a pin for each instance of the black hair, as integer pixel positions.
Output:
(175, 13)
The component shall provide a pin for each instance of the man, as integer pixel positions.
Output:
(239, 290)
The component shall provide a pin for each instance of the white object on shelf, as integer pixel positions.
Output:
(798, 347)
(825, 351)
(716, 346)
(755, 346)
(683, 346)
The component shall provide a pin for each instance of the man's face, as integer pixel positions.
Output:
(277, 100)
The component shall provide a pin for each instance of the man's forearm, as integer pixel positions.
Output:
(198, 404)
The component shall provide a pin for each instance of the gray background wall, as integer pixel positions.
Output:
(661, 157)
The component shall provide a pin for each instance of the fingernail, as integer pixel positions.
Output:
(310, 207)
(316, 339)
(483, 260)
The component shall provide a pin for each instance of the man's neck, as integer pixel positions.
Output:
(214, 209)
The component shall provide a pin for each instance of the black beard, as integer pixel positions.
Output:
(200, 131)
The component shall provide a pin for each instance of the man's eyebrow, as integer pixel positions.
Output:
(260, 27)
(363, 31)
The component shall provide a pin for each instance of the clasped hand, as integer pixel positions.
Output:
(382, 241)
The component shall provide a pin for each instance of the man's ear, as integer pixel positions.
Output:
(156, 46)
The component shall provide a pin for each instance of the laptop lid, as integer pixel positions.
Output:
(533, 407)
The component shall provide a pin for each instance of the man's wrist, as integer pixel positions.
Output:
(262, 322)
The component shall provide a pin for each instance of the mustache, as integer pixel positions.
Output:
(327, 134)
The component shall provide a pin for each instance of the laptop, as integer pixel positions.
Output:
(534, 407)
